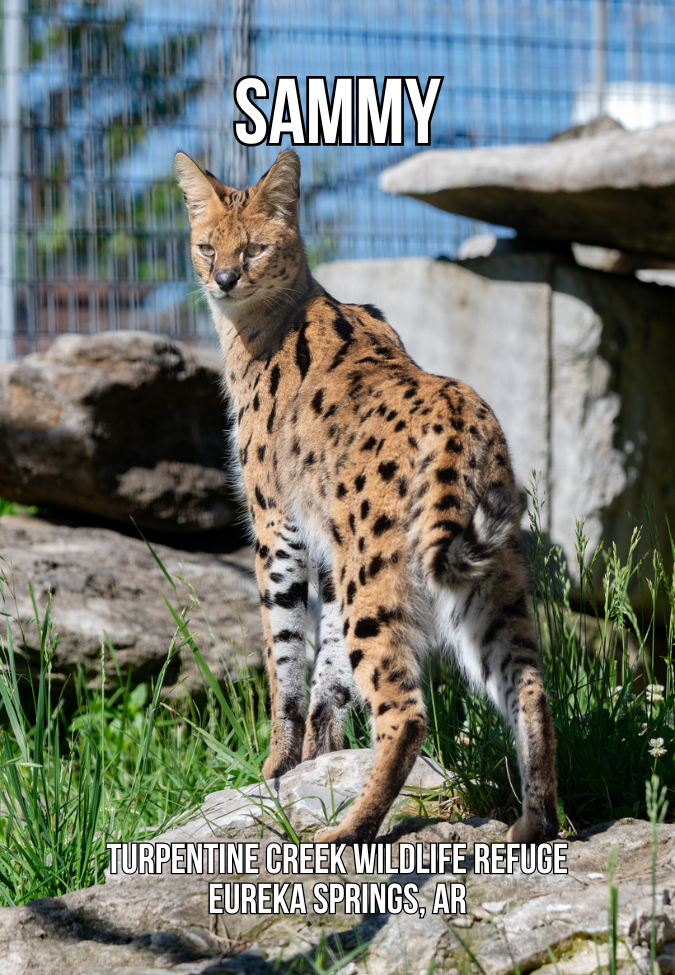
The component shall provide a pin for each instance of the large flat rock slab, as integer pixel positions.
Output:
(615, 190)
(121, 425)
(161, 923)
(314, 794)
(103, 582)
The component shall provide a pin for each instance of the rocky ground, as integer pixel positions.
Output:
(103, 582)
(518, 922)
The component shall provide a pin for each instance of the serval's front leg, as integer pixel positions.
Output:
(281, 571)
(332, 685)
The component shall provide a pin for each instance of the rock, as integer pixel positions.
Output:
(104, 582)
(119, 424)
(310, 795)
(575, 363)
(645, 267)
(657, 276)
(616, 190)
(596, 126)
(598, 258)
(479, 245)
(160, 923)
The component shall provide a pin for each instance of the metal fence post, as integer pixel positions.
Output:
(600, 59)
(241, 65)
(13, 23)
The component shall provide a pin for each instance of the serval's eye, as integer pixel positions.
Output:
(207, 250)
(254, 249)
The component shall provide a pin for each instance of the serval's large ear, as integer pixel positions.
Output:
(202, 191)
(278, 191)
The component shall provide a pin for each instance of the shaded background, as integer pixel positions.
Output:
(97, 96)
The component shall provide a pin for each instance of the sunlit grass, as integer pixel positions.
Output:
(13, 508)
(614, 723)
(122, 766)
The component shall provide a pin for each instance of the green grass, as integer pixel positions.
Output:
(126, 763)
(122, 766)
(13, 508)
(607, 714)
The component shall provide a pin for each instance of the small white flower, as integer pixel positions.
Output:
(643, 728)
(654, 693)
(617, 690)
(657, 749)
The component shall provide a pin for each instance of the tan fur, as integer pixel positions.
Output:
(397, 482)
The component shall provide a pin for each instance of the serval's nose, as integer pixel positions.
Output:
(226, 280)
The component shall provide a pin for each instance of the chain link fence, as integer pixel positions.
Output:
(98, 95)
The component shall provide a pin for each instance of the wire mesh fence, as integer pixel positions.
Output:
(98, 95)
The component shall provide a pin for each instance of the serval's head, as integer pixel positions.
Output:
(246, 245)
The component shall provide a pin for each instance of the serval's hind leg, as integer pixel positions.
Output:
(489, 625)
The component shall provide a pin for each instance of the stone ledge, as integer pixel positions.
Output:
(614, 190)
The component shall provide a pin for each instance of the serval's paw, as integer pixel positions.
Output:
(276, 765)
(344, 833)
(529, 829)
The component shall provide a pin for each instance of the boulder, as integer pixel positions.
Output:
(311, 792)
(552, 924)
(599, 125)
(103, 582)
(119, 424)
(577, 365)
(616, 190)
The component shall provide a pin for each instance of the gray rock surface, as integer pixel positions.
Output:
(105, 582)
(577, 365)
(600, 125)
(311, 795)
(615, 190)
(161, 923)
(120, 424)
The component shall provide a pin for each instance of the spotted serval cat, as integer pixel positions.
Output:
(398, 483)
